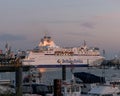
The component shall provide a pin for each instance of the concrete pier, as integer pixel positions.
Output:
(14, 65)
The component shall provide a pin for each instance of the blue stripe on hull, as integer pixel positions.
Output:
(59, 66)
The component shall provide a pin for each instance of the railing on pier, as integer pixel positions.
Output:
(10, 64)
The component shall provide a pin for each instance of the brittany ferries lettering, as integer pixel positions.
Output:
(69, 61)
(48, 54)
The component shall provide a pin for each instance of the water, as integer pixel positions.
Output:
(109, 74)
(50, 74)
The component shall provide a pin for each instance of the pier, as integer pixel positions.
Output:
(14, 65)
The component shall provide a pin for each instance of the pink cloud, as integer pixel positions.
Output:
(108, 16)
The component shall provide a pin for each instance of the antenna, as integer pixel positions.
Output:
(104, 53)
(103, 70)
(6, 48)
(84, 43)
(46, 33)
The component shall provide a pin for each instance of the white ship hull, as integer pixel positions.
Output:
(51, 61)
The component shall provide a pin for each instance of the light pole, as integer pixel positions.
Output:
(63, 69)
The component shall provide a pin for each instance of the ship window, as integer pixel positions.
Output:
(118, 93)
(68, 89)
(73, 89)
(62, 89)
(84, 86)
(108, 95)
(27, 89)
(77, 89)
(41, 88)
(94, 94)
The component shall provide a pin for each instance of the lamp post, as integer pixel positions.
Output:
(63, 69)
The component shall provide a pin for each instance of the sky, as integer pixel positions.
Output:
(69, 22)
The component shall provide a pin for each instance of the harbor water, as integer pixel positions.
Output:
(49, 74)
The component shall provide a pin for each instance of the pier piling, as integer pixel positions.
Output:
(57, 87)
(63, 72)
(19, 81)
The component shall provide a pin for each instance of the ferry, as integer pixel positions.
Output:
(48, 55)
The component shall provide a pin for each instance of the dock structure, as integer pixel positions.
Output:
(11, 65)
(14, 65)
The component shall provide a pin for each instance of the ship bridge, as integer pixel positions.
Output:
(47, 41)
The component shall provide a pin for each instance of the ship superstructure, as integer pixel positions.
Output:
(48, 54)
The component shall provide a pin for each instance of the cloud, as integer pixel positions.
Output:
(84, 34)
(11, 37)
(88, 25)
(108, 16)
(61, 21)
